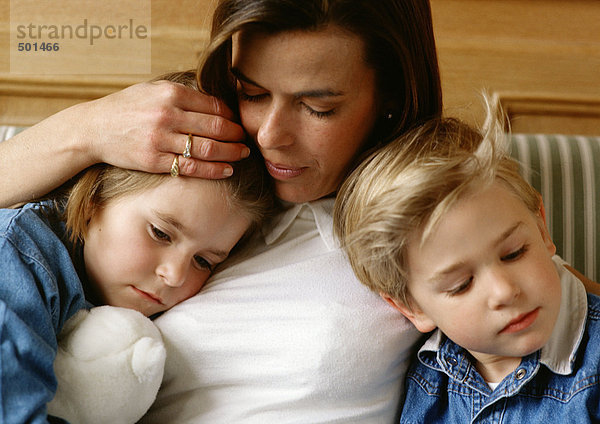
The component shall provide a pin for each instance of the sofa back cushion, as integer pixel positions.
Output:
(564, 170)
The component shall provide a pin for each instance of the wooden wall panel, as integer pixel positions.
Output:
(542, 57)
(178, 34)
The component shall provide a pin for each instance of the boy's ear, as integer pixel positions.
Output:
(543, 227)
(412, 313)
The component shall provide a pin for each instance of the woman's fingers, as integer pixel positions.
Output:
(209, 158)
(144, 126)
(201, 169)
(207, 149)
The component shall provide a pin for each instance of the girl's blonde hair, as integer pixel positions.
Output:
(250, 188)
(406, 187)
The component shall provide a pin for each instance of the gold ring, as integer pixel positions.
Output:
(175, 167)
(188, 146)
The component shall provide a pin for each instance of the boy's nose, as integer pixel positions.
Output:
(503, 289)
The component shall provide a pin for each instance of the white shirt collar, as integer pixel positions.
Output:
(559, 352)
(320, 210)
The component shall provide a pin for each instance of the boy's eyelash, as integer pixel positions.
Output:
(516, 254)
(462, 288)
(507, 258)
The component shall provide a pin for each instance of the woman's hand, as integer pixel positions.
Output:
(141, 127)
(144, 126)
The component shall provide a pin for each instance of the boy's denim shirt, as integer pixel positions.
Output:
(39, 290)
(558, 383)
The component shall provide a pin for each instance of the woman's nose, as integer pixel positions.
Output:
(275, 130)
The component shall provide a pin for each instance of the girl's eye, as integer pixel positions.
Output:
(319, 114)
(159, 235)
(251, 98)
(461, 288)
(203, 263)
(515, 255)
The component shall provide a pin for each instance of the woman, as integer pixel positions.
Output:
(285, 334)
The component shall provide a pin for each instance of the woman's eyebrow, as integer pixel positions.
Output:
(317, 93)
(240, 75)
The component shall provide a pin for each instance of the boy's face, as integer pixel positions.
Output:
(151, 250)
(485, 277)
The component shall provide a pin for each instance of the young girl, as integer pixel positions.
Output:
(119, 237)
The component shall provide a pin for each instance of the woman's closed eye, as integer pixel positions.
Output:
(317, 113)
(252, 98)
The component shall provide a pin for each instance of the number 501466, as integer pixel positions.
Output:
(46, 47)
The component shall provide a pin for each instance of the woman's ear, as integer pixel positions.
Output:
(412, 312)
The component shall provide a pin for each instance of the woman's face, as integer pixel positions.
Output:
(308, 100)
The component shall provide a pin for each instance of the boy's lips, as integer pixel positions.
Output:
(521, 322)
(282, 172)
(148, 296)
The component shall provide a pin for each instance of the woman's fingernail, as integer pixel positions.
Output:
(245, 153)
(228, 172)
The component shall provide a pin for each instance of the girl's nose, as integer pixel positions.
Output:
(173, 271)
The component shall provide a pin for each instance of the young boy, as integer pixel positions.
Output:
(119, 237)
(443, 227)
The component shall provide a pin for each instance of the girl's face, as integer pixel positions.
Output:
(153, 249)
(308, 100)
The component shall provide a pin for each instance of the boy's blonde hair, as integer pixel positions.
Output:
(403, 190)
(250, 189)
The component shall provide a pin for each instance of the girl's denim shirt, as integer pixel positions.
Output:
(558, 383)
(39, 291)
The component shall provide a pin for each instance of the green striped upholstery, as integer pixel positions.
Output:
(7, 131)
(563, 169)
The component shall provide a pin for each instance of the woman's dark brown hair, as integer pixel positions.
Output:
(399, 46)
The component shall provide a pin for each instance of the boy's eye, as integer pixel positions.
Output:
(160, 235)
(461, 288)
(514, 255)
(203, 263)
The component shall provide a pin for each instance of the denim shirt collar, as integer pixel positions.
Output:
(558, 354)
(320, 210)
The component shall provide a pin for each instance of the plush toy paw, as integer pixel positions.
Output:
(109, 366)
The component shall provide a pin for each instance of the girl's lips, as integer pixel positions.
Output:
(282, 172)
(147, 296)
(521, 322)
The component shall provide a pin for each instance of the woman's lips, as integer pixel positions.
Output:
(147, 296)
(282, 172)
(521, 322)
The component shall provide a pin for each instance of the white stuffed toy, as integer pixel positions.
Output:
(109, 366)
